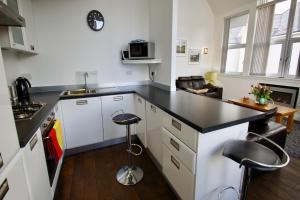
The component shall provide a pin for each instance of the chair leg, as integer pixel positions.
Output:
(246, 182)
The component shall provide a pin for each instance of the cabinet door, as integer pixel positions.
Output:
(9, 144)
(16, 34)
(110, 105)
(36, 169)
(13, 181)
(154, 130)
(27, 13)
(82, 121)
(140, 109)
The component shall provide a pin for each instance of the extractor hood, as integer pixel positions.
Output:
(10, 18)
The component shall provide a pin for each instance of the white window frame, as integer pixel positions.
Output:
(226, 47)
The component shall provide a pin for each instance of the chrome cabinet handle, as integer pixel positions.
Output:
(176, 124)
(1, 161)
(175, 162)
(33, 142)
(81, 102)
(174, 144)
(153, 108)
(118, 98)
(4, 189)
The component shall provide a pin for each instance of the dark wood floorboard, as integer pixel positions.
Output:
(91, 176)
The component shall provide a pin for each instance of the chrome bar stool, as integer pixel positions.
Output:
(129, 174)
(253, 155)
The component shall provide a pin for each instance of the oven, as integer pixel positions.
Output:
(46, 127)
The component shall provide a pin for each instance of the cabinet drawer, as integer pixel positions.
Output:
(13, 182)
(182, 131)
(178, 175)
(180, 150)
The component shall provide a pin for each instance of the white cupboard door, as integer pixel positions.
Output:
(140, 108)
(111, 105)
(36, 168)
(13, 184)
(82, 121)
(9, 144)
(154, 130)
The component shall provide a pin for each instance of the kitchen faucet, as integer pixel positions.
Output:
(86, 75)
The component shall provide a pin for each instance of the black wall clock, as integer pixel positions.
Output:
(95, 20)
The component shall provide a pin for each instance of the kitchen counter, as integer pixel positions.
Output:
(202, 113)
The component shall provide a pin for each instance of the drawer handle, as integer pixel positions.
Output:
(175, 162)
(81, 102)
(140, 100)
(1, 161)
(176, 124)
(4, 189)
(33, 142)
(174, 144)
(153, 108)
(118, 98)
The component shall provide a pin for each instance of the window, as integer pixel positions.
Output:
(276, 48)
(234, 44)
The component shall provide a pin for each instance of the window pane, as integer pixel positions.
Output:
(296, 25)
(280, 20)
(235, 60)
(274, 59)
(294, 59)
(238, 30)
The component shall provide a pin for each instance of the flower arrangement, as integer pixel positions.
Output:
(262, 93)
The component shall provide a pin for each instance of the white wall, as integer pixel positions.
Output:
(163, 30)
(12, 66)
(196, 25)
(68, 46)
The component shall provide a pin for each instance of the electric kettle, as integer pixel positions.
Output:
(22, 87)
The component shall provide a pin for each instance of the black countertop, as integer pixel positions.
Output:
(202, 113)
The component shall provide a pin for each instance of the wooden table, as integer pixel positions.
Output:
(281, 112)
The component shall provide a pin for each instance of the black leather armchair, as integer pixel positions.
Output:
(198, 83)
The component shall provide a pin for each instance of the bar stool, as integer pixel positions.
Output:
(253, 155)
(129, 174)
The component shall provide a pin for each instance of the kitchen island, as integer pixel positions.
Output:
(198, 126)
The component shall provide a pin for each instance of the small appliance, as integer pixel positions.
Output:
(22, 87)
(140, 49)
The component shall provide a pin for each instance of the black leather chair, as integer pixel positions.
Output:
(256, 156)
(267, 128)
(198, 83)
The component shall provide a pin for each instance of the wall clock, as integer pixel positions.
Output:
(95, 20)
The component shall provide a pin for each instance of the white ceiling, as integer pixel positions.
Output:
(221, 6)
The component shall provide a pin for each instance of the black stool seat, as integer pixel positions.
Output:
(251, 154)
(126, 119)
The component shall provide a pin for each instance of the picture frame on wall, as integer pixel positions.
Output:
(181, 47)
(194, 56)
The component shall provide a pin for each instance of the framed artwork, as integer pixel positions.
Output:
(194, 56)
(181, 47)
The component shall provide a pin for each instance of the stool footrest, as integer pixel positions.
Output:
(134, 153)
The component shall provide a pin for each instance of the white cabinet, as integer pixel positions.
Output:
(12, 180)
(111, 105)
(36, 168)
(82, 121)
(140, 111)
(20, 38)
(154, 130)
(9, 144)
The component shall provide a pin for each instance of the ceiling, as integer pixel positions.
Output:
(221, 6)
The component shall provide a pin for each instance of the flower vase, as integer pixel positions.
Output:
(262, 101)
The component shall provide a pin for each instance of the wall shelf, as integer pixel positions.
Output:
(149, 61)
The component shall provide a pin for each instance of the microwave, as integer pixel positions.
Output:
(141, 50)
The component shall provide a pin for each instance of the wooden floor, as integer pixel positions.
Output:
(91, 176)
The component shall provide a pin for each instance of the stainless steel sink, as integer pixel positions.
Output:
(79, 92)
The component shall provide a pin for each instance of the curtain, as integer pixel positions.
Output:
(225, 44)
(262, 40)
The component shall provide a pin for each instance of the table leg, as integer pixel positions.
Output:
(279, 119)
(290, 123)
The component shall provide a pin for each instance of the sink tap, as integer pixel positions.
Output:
(86, 75)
